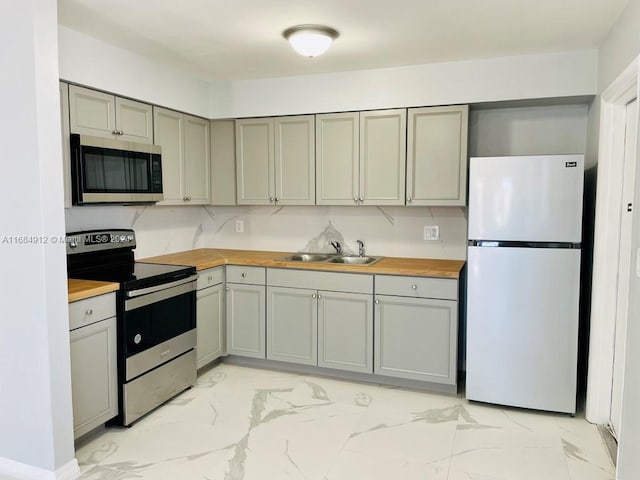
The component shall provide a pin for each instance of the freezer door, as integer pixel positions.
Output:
(522, 327)
(533, 198)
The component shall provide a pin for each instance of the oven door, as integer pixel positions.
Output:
(158, 324)
(112, 171)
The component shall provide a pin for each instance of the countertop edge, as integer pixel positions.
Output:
(82, 289)
(203, 259)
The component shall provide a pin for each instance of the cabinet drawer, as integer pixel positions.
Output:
(331, 281)
(91, 310)
(249, 275)
(210, 277)
(445, 288)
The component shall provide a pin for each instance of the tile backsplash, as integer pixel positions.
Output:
(388, 231)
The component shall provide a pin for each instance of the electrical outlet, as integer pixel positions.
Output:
(239, 226)
(432, 232)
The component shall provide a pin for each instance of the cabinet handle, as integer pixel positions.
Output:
(277, 199)
(314, 296)
(361, 199)
(355, 199)
(115, 132)
(271, 199)
(408, 199)
(89, 311)
(319, 296)
(414, 287)
(210, 277)
(377, 302)
(227, 289)
(244, 275)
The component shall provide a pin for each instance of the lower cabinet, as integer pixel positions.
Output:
(345, 331)
(292, 325)
(311, 325)
(93, 365)
(416, 338)
(210, 319)
(246, 320)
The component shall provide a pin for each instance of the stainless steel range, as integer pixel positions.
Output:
(156, 318)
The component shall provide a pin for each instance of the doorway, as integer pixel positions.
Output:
(624, 265)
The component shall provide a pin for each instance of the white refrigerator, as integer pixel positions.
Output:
(523, 280)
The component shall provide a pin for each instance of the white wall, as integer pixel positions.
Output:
(528, 131)
(94, 63)
(618, 49)
(35, 404)
(508, 78)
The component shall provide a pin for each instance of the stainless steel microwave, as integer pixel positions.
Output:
(114, 171)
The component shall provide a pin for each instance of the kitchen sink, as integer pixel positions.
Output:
(329, 258)
(352, 260)
(308, 257)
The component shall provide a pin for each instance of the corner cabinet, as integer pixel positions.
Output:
(360, 158)
(437, 156)
(416, 328)
(92, 324)
(245, 305)
(185, 157)
(104, 115)
(210, 320)
(275, 161)
(223, 162)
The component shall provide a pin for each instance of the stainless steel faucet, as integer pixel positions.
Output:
(360, 248)
(337, 246)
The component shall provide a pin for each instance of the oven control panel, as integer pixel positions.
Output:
(96, 240)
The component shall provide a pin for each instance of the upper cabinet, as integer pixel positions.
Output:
(275, 161)
(223, 162)
(104, 115)
(360, 158)
(66, 147)
(437, 156)
(184, 140)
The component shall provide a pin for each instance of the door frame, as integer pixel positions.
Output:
(607, 241)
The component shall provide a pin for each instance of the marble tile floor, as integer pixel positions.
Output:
(241, 423)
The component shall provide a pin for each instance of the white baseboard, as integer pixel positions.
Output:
(12, 470)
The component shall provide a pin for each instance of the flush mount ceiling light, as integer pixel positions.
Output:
(310, 40)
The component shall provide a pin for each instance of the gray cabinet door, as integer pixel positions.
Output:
(255, 161)
(196, 160)
(437, 156)
(245, 305)
(92, 112)
(295, 174)
(416, 338)
(210, 324)
(345, 331)
(134, 120)
(292, 325)
(337, 159)
(169, 134)
(93, 375)
(383, 142)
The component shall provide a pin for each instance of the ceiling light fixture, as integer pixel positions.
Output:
(310, 40)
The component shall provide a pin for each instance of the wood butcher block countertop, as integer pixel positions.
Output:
(204, 258)
(81, 289)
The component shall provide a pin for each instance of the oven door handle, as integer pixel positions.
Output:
(164, 286)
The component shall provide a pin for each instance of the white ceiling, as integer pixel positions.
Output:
(237, 39)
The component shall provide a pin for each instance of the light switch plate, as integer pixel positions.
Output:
(432, 232)
(239, 226)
